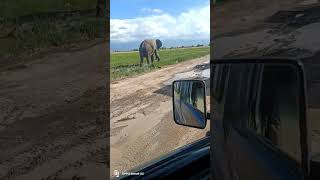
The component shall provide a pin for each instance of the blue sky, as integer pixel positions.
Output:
(127, 9)
(169, 20)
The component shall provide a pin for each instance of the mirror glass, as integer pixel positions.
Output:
(189, 103)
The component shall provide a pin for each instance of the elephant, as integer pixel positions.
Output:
(149, 48)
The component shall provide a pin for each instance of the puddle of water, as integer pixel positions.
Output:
(308, 37)
(309, 2)
(190, 74)
(179, 76)
(205, 73)
(259, 39)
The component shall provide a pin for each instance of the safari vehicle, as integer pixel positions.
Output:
(258, 128)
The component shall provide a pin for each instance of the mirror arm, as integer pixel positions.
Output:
(208, 116)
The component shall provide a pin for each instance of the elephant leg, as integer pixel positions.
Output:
(152, 58)
(148, 57)
(141, 61)
(157, 55)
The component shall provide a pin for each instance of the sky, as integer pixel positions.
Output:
(184, 22)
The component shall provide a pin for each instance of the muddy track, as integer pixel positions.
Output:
(54, 122)
(142, 127)
(246, 15)
(61, 132)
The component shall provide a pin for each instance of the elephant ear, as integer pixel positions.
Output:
(159, 43)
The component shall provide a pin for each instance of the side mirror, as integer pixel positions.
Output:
(189, 103)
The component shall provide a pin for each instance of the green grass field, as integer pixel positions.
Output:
(42, 34)
(13, 8)
(127, 64)
(20, 36)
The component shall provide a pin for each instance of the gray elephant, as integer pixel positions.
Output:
(149, 48)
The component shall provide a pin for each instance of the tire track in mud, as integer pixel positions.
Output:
(158, 141)
(145, 113)
(49, 137)
(100, 155)
(40, 154)
(140, 100)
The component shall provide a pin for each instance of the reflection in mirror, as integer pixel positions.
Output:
(279, 109)
(263, 99)
(189, 106)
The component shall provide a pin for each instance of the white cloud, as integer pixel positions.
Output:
(192, 24)
(149, 10)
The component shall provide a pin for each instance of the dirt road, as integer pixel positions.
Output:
(243, 16)
(142, 126)
(52, 117)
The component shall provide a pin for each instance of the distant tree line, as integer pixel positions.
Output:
(172, 47)
(177, 47)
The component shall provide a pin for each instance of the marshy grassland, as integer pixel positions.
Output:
(27, 27)
(126, 64)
